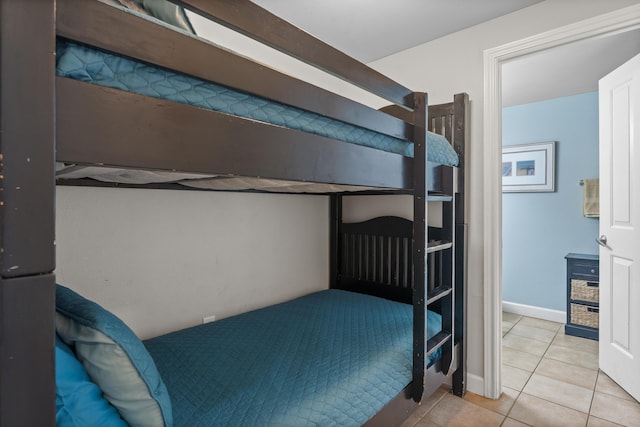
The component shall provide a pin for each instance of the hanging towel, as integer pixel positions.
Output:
(591, 198)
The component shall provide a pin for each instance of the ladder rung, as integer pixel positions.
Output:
(438, 341)
(438, 245)
(438, 293)
(439, 197)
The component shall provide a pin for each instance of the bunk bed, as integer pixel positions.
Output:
(59, 124)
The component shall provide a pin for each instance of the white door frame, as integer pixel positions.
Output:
(617, 21)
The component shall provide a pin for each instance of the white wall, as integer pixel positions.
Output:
(362, 208)
(163, 260)
(454, 64)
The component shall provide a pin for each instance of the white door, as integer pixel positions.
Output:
(619, 99)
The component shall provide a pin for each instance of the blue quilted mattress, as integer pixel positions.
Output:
(332, 358)
(90, 65)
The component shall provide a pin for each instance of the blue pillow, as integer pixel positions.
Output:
(115, 359)
(167, 12)
(79, 402)
(159, 9)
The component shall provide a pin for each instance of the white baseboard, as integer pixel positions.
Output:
(475, 384)
(537, 312)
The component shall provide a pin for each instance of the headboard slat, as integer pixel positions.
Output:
(378, 254)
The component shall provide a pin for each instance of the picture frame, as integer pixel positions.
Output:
(528, 168)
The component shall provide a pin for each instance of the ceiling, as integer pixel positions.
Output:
(566, 70)
(372, 29)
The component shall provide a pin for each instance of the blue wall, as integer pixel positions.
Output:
(539, 229)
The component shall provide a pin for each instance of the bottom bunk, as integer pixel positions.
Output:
(333, 357)
(329, 358)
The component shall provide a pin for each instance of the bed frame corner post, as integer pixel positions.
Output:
(460, 135)
(335, 244)
(420, 231)
(27, 213)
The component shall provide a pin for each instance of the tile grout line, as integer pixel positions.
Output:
(531, 338)
(527, 382)
(436, 403)
(510, 409)
(533, 354)
(593, 396)
(556, 403)
(542, 357)
(519, 391)
(499, 413)
(510, 331)
(567, 363)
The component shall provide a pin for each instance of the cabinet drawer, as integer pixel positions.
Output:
(585, 315)
(585, 290)
(586, 269)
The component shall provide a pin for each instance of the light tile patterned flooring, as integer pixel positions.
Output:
(549, 379)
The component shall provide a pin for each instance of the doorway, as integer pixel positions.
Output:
(623, 20)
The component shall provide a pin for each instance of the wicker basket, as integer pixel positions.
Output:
(584, 315)
(583, 290)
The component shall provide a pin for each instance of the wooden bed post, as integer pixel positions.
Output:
(27, 222)
(461, 111)
(420, 230)
(335, 244)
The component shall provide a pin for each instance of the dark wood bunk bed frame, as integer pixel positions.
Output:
(45, 119)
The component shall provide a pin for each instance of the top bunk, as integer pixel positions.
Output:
(141, 100)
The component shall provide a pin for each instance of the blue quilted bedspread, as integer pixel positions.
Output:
(94, 66)
(332, 358)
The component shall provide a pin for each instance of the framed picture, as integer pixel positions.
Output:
(528, 167)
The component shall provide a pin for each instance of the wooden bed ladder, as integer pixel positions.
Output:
(440, 279)
(446, 249)
(437, 254)
(435, 262)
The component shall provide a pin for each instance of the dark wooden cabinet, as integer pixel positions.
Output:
(583, 295)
